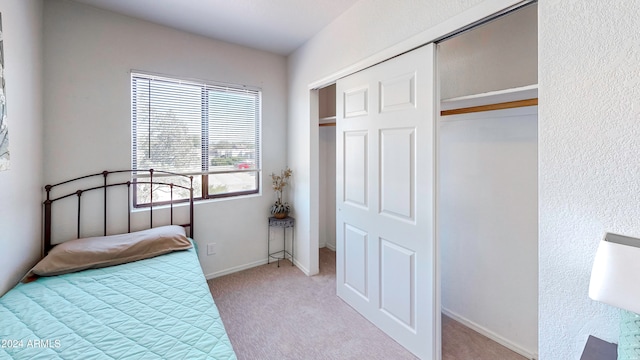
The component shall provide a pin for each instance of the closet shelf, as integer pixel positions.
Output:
(494, 100)
(327, 121)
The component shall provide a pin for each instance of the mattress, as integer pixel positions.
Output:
(157, 308)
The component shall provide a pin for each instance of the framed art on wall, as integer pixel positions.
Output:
(4, 129)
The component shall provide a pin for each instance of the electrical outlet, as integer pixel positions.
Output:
(211, 249)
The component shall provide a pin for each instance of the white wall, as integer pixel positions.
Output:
(88, 56)
(21, 186)
(589, 129)
(365, 29)
(487, 223)
(501, 54)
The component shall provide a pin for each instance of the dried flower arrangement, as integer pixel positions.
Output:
(280, 209)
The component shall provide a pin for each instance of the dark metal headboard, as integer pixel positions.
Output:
(106, 185)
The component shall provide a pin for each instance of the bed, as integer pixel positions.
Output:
(158, 307)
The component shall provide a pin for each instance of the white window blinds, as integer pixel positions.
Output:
(197, 128)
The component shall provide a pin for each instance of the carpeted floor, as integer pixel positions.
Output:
(461, 343)
(280, 313)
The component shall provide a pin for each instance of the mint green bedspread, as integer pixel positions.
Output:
(157, 308)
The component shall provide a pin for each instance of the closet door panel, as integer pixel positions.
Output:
(397, 172)
(356, 261)
(386, 252)
(356, 102)
(398, 93)
(397, 270)
(356, 168)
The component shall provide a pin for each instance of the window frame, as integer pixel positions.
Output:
(205, 87)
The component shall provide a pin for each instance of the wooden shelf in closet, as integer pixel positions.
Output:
(494, 100)
(327, 121)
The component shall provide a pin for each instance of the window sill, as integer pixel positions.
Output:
(196, 202)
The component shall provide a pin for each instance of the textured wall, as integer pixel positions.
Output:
(21, 186)
(589, 146)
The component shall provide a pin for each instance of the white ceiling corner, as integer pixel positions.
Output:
(278, 26)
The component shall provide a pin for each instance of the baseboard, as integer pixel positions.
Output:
(249, 266)
(216, 274)
(490, 334)
(235, 269)
(302, 268)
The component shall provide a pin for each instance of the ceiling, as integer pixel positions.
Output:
(278, 26)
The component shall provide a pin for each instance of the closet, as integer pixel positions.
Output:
(327, 171)
(487, 176)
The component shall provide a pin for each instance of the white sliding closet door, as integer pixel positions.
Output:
(385, 198)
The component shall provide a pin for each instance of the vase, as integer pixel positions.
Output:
(281, 215)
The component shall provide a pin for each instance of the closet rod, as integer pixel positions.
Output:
(490, 107)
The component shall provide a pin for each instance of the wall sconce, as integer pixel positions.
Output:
(615, 280)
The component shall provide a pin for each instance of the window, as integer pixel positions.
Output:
(210, 131)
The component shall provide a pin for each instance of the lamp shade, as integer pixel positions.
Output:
(615, 277)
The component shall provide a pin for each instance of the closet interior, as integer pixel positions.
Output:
(327, 169)
(487, 179)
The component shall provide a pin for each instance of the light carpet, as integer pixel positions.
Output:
(280, 313)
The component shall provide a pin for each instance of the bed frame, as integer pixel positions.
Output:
(136, 175)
